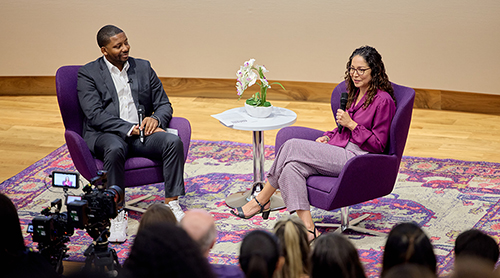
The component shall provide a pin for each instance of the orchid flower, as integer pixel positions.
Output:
(247, 75)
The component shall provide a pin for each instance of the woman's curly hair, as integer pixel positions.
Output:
(380, 80)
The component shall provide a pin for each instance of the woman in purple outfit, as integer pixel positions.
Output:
(366, 122)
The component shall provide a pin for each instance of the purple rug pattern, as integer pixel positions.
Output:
(443, 196)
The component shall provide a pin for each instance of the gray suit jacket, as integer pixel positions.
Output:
(99, 99)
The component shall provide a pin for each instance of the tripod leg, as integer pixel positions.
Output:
(115, 259)
(89, 257)
(59, 265)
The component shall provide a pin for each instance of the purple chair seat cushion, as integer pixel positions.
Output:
(323, 183)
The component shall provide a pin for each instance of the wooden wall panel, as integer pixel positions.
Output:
(27, 85)
(300, 91)
(225, 88)
(466, 102)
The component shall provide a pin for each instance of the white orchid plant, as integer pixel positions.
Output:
(249, 74)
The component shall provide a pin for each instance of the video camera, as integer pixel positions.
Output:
(97, 206)
(52, 231)
(91, 211)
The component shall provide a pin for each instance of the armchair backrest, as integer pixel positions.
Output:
(400, 123)
(67, 97)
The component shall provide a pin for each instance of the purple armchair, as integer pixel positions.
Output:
(138, 170)
(364, 177)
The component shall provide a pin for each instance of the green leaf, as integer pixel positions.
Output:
(266, 104)
(278, 84)
(251, 101)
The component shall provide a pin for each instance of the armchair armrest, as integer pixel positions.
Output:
(184, 130)
(80, 154)
(295, 132)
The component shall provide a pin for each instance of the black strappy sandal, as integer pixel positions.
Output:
(314, 234)
(265, 212)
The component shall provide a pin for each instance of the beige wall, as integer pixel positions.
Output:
(434, 44)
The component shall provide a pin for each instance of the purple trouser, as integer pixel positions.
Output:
(297, 159)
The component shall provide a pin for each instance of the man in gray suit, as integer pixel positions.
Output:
(111, 90)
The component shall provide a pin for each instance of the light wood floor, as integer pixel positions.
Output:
(31, 127)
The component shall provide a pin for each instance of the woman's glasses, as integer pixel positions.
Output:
(358, 71)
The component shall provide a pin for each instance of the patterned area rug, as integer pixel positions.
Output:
(444, 197)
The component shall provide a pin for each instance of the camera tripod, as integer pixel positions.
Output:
(55, 252)
(99, 255)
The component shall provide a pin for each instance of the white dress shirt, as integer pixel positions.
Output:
(128, 111)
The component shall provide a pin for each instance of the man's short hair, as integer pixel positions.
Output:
(105, 33)
(476, 243)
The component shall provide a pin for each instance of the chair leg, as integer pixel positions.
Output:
(345, 225)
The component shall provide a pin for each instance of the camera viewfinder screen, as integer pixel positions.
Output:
(69, 180)
(71, 198)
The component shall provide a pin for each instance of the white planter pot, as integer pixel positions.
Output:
(258, 111)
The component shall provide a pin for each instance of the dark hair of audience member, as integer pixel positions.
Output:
(15, 260)
(259, 254)
(409, 271)
(157, 213)
(294, 246)
(407, 243)
(165, 250)
(333, 255)
(475, 243)
(11, 236)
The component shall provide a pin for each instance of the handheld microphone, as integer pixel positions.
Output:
(343, 104)
(140, 112)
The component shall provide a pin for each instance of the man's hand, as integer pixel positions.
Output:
(149, 125)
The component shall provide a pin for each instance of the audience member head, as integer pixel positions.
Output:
(157, 213)
(407, 243)
(477, 244)
(260, 255)
(105, 33)
(15, 260)
(294, 245)
(165, 250)
(11, 236)
(375, 68)
(200, 226)
(409, 271)
(473, 267)
(334, 255)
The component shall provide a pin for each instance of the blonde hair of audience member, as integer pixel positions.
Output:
(200, 226)
(157, 213)
(334, 255)
(294, 245)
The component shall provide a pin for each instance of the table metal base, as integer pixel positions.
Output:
(241, 198)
